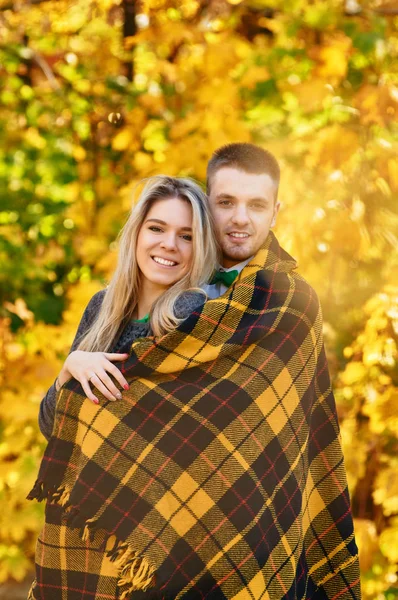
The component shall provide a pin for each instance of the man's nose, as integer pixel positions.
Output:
(240, 216)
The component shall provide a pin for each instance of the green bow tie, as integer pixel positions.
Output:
(226, 277)
(143, 320)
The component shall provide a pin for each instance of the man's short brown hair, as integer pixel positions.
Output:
(246, 157)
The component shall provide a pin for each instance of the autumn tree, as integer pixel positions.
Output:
(96, 95)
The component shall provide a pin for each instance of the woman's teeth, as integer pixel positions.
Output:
(239, 235)
(163, 261)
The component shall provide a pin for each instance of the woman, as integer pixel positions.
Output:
(167, 251)
(159, 260)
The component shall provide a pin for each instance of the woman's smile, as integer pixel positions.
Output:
(164, 261)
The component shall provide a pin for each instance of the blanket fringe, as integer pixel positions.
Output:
(43, 491)
(136, 573)
(89, 530)
(30, 593)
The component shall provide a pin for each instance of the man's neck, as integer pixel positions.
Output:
(230, 264)
(227, 264)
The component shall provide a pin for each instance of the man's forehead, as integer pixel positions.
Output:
(234, 182)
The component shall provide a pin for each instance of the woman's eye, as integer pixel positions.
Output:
(187, 237)
(154, 228)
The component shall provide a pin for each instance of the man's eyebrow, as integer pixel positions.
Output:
(230, 197)
(226, 196)
(260, 199)
(164, 223)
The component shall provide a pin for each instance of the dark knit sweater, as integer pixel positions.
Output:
(185, 304)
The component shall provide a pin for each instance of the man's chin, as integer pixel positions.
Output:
(237, 254)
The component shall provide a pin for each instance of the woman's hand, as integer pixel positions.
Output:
(93, 367)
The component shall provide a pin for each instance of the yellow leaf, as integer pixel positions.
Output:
(253, 75)
(354, 372)
(122, 140)
(393, 172)
(311, 94)
(143, 162)
(33, 138)
(91, 248)
(389, 543)
(333, 147)
(107, 264)
(15, 351)
(366, 538)
(79, 153)
(19, 308)
(185, 126)
(332, 58)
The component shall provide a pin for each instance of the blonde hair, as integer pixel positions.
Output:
(122, 293)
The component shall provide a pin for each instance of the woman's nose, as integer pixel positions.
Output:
(168, 242)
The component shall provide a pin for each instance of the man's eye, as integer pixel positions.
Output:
(225, 202)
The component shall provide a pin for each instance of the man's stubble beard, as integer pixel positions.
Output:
(237, 253)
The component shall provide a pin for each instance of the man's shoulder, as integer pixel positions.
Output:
(293, 290)
(301, 282)
(304, 295)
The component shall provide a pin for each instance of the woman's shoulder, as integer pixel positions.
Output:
(95, 303)
(187, 302)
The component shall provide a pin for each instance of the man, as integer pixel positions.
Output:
(242, 186)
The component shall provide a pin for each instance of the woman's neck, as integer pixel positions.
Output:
(148, 294)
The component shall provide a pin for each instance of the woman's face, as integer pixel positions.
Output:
(164, 243)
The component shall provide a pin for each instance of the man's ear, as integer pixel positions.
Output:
(276, 210)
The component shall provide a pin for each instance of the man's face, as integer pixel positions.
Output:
(244, 210)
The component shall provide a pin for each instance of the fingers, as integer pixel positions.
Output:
(92, 369)
(110, 367)
(104, 384)
(115, 355)
(102, 380)
(87, 390)
(113, 370)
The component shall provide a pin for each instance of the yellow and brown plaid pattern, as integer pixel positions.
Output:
(219, 475)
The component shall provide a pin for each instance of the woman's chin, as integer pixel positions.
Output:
(164, 281)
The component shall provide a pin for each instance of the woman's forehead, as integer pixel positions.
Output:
(173, 211)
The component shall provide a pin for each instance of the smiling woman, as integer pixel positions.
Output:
(160, 227)
(167, 250)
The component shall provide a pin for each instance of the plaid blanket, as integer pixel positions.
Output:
(219, 475)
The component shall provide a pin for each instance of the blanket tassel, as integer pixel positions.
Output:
(136, 573)
(88, 534)
(42, 491)
(30, 593)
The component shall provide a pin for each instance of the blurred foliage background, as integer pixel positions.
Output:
(96, 95)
